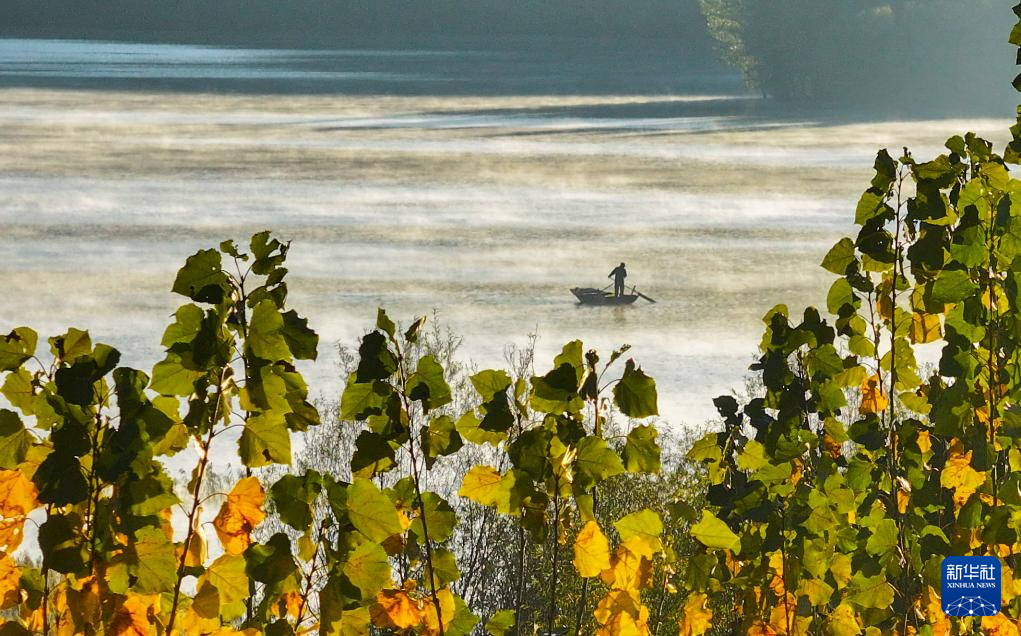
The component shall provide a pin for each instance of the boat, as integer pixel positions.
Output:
(592, 296)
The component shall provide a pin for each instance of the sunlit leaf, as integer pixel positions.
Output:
(714, 533)
(591, 551)
(371, 511)
(240, 514)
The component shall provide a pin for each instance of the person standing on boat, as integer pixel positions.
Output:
(618, 275)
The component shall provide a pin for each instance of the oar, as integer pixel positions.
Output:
(635, 291)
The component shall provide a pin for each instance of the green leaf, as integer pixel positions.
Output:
(265, 440)
(439, 518)
(60, 480)
(17, 347)
(428, 385)
(202, 278)
(376, 361)
(411, 335)
(488, 383)
(371, 511)
(469, 427)
(360, 400)
(62, 550)
(840, 294)
(384, 324)
(870, 591)
(154, 562)
(595, 462)
(272, 562)
(501, 622)
(641, 452)
(19, 391)
(373, 454)
(443, 567)
(440, 438)
(871, 204)
(464, 620)
(883, 539)
(368, 568)
(644, 524)
(71, 345)
(635, 394)
(266, 333)
(839, 257)
(294, 496)
(227, 574)
(714, 533)
(301, 340)
(15, 440)
(953, 285)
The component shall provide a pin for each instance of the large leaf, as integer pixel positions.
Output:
(240, 514)
(481, 485)
(16, 347)
(294, 496)
(265, 440)
(714, 533)
(368, 568)
(428, 385)
(641, 452)
(371, 511)
(595, 462)
(202, 278)
(154, 561)
(15, 439)
(266, 333)
(635, 394)
(591, 551)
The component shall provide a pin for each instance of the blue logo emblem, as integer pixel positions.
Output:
(971, 586)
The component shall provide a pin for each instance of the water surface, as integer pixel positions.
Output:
(404, 182)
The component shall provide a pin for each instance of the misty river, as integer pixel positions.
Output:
(477, 184)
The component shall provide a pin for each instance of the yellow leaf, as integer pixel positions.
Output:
(192, 622)
(623, 625)
(902, 501)
(615, 602)
(591, 550)
(924, 328)
(10, 584)
(196, 554)
(447, 611)
(627, 571)
(239, 515)
(872, 398)
(758, 628)
(843, 622)
(697, 617)
(840, 567)
(959, 476)
(17, 499)
(134, 616)
(481, 485)
(999, 625)
(924, 441)
(776, 565)
(396, 609)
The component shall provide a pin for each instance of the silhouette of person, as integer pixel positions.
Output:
(618, 275)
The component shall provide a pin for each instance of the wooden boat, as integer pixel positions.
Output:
(592, 296)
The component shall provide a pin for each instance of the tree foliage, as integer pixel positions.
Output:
(838, 491)
(126, 550)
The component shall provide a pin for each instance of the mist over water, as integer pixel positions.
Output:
(481, 184)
